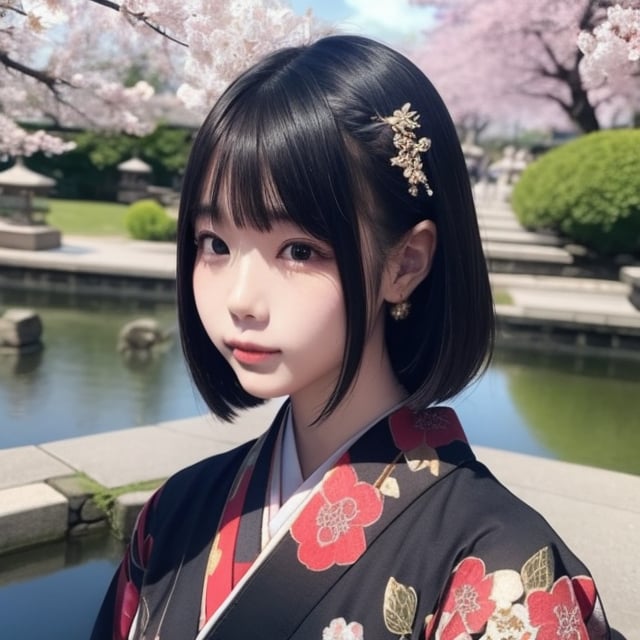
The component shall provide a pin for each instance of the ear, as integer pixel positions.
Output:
(410, 262)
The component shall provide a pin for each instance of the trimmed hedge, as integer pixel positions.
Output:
(147, 220)
(588, 190)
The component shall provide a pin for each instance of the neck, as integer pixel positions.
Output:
(373, 393)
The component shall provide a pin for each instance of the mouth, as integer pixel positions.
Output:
(247, 353)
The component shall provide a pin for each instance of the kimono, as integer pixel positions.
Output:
(403, 535)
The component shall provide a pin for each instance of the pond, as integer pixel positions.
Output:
(569, 407)
(54, 591)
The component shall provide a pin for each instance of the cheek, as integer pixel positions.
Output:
(317, 311)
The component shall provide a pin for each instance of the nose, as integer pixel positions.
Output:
(247, 298)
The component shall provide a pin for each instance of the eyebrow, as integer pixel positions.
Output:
(202, 209)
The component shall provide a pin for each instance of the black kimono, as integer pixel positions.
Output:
(405, 535)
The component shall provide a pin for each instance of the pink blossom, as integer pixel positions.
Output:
(613, 48)
(78, 71)
(518, 62)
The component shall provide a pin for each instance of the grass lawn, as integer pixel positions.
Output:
(87, 217)
(500, 296)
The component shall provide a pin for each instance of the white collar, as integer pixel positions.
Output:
(287, 487)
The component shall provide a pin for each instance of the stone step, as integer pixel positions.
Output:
(631, 276)
(508, 251)
(519, 236)
(24, 465)
(31, 514)
(507, 224)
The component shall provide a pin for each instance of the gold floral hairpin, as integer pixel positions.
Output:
(402, 123)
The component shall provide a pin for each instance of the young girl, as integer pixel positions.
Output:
(328, 251)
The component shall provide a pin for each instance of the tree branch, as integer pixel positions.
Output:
(9, 7)
(44, 78)
(547, 96)
(140, 17)
(561, 70)
(52, 83)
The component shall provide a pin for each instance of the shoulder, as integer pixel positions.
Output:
(201, 478)
(483, 499)
(209, 468)
(485, 519)
(184, 495)
(514, 566)
(184, 510)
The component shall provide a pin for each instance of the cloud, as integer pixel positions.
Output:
(390, 20)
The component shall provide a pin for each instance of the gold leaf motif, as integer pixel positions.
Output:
(215, 555)
(423, 457)
(390, 488)
(400, 604)
(537, 571)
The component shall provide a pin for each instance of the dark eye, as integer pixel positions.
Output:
(298, 251)
(212, 244)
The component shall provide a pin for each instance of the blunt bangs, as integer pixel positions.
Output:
(261, 171)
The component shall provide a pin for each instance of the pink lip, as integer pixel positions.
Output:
(247, 353)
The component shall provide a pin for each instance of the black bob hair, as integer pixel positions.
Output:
(298, 137)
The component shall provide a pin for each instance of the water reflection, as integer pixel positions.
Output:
(54, 591)
(574, 408)
(584, 410)
(19, 375)
(82, 384)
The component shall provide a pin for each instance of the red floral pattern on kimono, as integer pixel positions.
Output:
(494, 604)
(437, 427)
(468, 596)
(330, 528)
(557, 614)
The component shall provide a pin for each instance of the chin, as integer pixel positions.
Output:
(264, 390)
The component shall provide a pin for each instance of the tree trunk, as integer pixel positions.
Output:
(582, 113)
(580, 110)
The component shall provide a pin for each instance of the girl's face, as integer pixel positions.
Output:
(271, 302)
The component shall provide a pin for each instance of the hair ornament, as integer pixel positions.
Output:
(402, 123)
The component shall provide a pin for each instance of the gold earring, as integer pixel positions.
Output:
(400, 310)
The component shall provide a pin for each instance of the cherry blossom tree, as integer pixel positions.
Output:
(68, 61)
(520, 61)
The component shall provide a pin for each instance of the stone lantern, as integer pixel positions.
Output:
(134, 180)
(22, 218)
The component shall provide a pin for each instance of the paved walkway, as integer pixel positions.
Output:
(100, 255)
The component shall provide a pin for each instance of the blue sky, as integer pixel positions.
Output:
(395, 22)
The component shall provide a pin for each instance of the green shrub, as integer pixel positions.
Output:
(588, 190)
(147, 220)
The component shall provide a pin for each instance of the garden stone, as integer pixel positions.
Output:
(20, 327)
(140, 334)
(91, 512)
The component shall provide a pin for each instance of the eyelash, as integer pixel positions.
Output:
(202, 237)
(223, 249)
(313, 251)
